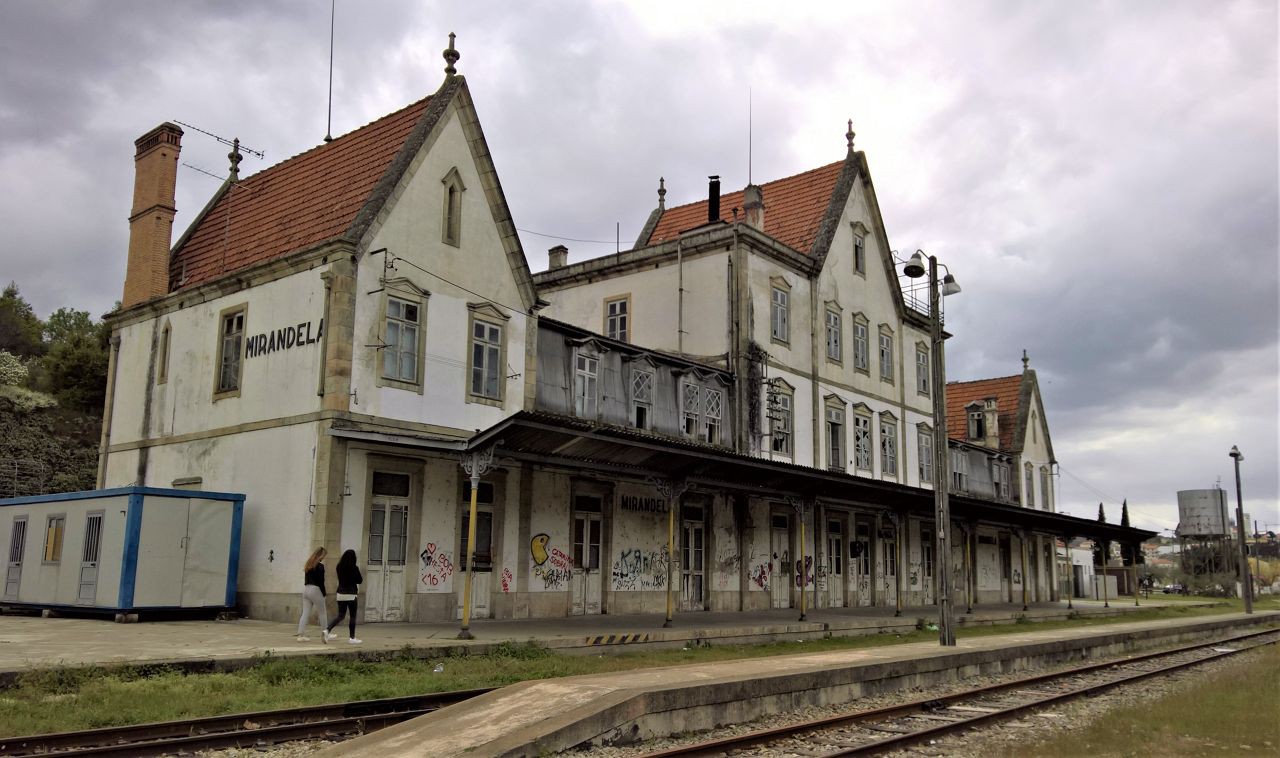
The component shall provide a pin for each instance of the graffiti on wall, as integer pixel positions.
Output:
(759, 575)
(727, 566)
(637, 569)
(804, 578)
(506, 580)
(550, 564)
(437, 566)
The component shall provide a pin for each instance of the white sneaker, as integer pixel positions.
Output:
(330, 636)
(303, 638)
(354, 641)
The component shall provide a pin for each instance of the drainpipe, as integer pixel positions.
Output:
(818, 418)
(1022, 543)
(680, 297)
(108, 411)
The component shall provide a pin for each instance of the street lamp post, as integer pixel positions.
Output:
(914, 269)
(1246, 581)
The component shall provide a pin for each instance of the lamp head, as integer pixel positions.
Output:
(1235, 453)
(949, 286)
(914, 267)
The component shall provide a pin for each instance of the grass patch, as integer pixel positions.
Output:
(64, 699)
(1232, 712)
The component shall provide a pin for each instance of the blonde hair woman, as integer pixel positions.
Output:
(313, 595)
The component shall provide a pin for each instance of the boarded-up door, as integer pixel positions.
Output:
(780, 560)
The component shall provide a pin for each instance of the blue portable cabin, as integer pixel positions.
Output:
(124, 550)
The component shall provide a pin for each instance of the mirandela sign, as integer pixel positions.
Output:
(282, 339)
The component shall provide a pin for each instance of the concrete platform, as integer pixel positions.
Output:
(28, 642)
(548, 716)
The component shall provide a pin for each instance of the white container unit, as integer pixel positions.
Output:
(125, 550)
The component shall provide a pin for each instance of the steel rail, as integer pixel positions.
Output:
(932, 704)
(238, 729)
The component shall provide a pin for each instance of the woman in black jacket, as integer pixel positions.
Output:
(349, 581)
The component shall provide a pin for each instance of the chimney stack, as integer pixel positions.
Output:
(753, 205)
(557, 257)
(991, 423)
(151, 220)
(713, 200)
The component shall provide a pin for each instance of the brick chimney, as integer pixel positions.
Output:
(151, 221)
(557, 257)
(753, 205)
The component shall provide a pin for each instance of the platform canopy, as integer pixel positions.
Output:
(540, 437)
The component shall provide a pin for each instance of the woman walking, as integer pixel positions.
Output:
(349, 581)
(313, 595)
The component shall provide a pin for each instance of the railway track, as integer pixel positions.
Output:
(881, 730)
(235, 730)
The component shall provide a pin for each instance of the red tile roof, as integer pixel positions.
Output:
(794, 208)
(1006, 390)
(305, 200)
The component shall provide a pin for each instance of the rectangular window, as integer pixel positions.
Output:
(959, 471)
(925, 448)
(886, 356)
(779, 313)
(712, 410)
(834, 328)
(890, 548)
(641, 397)
(860, 347)
(452, 213)
(861, 548)
(400, 356)
(486, 360)
(780, 423)
(927, 549)
(889, 448)
(162, 372)
(922, 371)
(691, 407)
(617, 318)
(586, 369)
(1000, 480)
(1031, 490)
(53, 531)
(230, 350)
(862, 442)
(859, 254)
(977, 428)
(1044, 486)
(835, 439)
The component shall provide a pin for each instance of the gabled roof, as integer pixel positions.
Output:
(310, 198)
(1005, 389)
(794, 209)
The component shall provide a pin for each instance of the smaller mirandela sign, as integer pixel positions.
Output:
(282, 339)
(642, 501)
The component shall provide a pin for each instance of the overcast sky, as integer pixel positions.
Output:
(1100, 177)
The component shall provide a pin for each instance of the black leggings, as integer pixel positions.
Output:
(346, 608)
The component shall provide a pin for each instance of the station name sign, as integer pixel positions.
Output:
(284, 338)
(643, 504)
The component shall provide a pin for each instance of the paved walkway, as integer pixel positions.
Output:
(32, 642)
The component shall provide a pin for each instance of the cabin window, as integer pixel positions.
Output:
(54, 528)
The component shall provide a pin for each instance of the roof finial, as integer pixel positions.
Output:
(1025, 360)
(662, 193)
(848, 136)
(235, 157)
(451, 57)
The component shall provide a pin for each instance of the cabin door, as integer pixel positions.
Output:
(89, 559)
(17, 545)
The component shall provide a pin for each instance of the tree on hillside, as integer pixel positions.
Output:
(77, 359)
(20, 328)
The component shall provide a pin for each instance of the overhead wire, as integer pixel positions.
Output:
(1088, 486)
(566, 239)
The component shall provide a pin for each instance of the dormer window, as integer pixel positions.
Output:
(691, 407)
(641, 398)
(451, 223)
(977, 423)
(586, 370)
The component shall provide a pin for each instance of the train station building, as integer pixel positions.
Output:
(738, 410)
